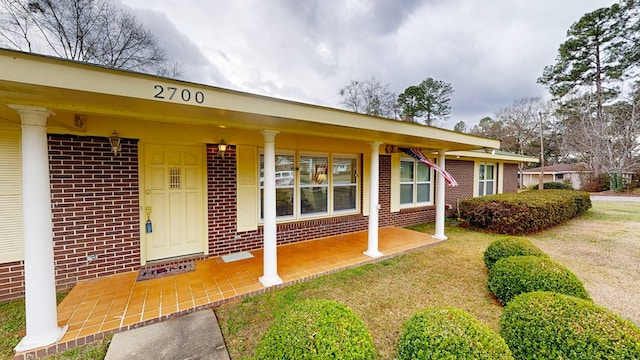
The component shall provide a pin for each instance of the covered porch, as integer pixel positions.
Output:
(97, 308)
(230, 197)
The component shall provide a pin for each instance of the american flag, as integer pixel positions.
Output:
(419, 155)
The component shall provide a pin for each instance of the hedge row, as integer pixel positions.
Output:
(547, 325)
(554, 185)
(324, 329)
(523, 213)
(517, 275)
(517, 266)
(548, 313)
(317, 329)
(510, 246)
(449, 333)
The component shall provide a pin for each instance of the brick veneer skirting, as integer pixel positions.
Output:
(11, 280)
(95, 205)
(510, 178)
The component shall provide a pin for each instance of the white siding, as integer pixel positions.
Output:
(247, 188)
(11, 239)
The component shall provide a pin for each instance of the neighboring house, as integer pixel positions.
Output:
(573, 174)
(105, 171)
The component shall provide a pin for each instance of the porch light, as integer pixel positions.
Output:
(389, 149)
(222, 148)
(116, 144)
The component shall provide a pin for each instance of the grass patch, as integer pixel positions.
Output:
(601, 248)
(95, 351)
(12, 318)
(383, 294)
(13, 329)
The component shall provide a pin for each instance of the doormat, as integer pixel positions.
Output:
(237, 256)
(159, 271)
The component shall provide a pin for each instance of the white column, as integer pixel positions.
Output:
(270, 274)
(440, 184)
(374, 206)
(39, 271)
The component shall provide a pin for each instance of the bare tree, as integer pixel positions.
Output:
(93, 31)
(522, 121)
(369, 97)
(608, 144)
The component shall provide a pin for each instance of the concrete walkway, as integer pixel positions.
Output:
(192, 336)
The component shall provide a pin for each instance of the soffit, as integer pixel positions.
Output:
(69, 88)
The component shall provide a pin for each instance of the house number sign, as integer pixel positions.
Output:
(178, 94)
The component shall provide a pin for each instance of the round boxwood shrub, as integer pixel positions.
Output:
(546, 325)
(510, 246)
(448, 333)
(317, 329)
(516, 275)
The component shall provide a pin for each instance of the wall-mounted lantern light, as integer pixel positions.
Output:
(222, 148)
(116, 144)
(389, 149)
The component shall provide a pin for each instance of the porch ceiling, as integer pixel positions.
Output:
(69, 88)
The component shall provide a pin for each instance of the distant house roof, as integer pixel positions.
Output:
(491, 154)
(557, 168)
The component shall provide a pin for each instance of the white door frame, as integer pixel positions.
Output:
(141, 187)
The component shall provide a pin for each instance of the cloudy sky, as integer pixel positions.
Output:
(491, 51)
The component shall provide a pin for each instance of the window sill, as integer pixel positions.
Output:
(417, 208)
(311, 217)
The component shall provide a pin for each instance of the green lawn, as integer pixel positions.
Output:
(598, 247)
(384, 294)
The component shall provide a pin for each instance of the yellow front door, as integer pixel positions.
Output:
(174, 197)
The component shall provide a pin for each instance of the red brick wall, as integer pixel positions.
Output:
(462, 171)
(510, 181)
(11, 281)
(221, 203)
(94, 196)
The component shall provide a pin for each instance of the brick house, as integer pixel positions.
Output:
(104, 172)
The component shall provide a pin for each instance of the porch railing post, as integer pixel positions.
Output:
(39, 269)
(372, 248)
(270, 275)
(440, 203)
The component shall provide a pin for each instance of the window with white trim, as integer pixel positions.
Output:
(313, 185)
(486, 179)
(285, 185)
(415, 183)
(345, 184)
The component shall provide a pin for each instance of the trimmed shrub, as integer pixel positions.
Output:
(546, 325)
(448, 333)
(517, 275)
(554, 185)
(317, 329)
(510, 246)
(523, 213)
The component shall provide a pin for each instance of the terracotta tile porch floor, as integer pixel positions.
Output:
(116, 303)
